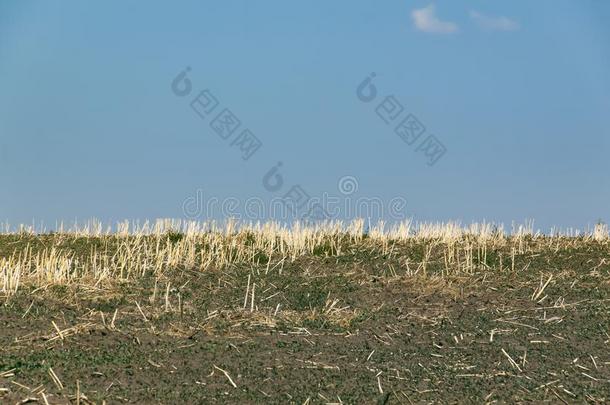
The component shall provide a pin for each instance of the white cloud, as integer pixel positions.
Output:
(425, 19)
(493, 23)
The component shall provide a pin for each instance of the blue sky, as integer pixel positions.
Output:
(517, 92)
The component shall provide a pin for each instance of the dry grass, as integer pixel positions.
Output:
(131, 250)
(179, 312)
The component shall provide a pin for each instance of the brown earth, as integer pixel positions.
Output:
(347, 329)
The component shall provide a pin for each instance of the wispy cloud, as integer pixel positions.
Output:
(425, 20)
(493, 23)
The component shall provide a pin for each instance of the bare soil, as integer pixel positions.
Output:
(358, 328)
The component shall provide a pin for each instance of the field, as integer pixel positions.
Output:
(176, 312)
